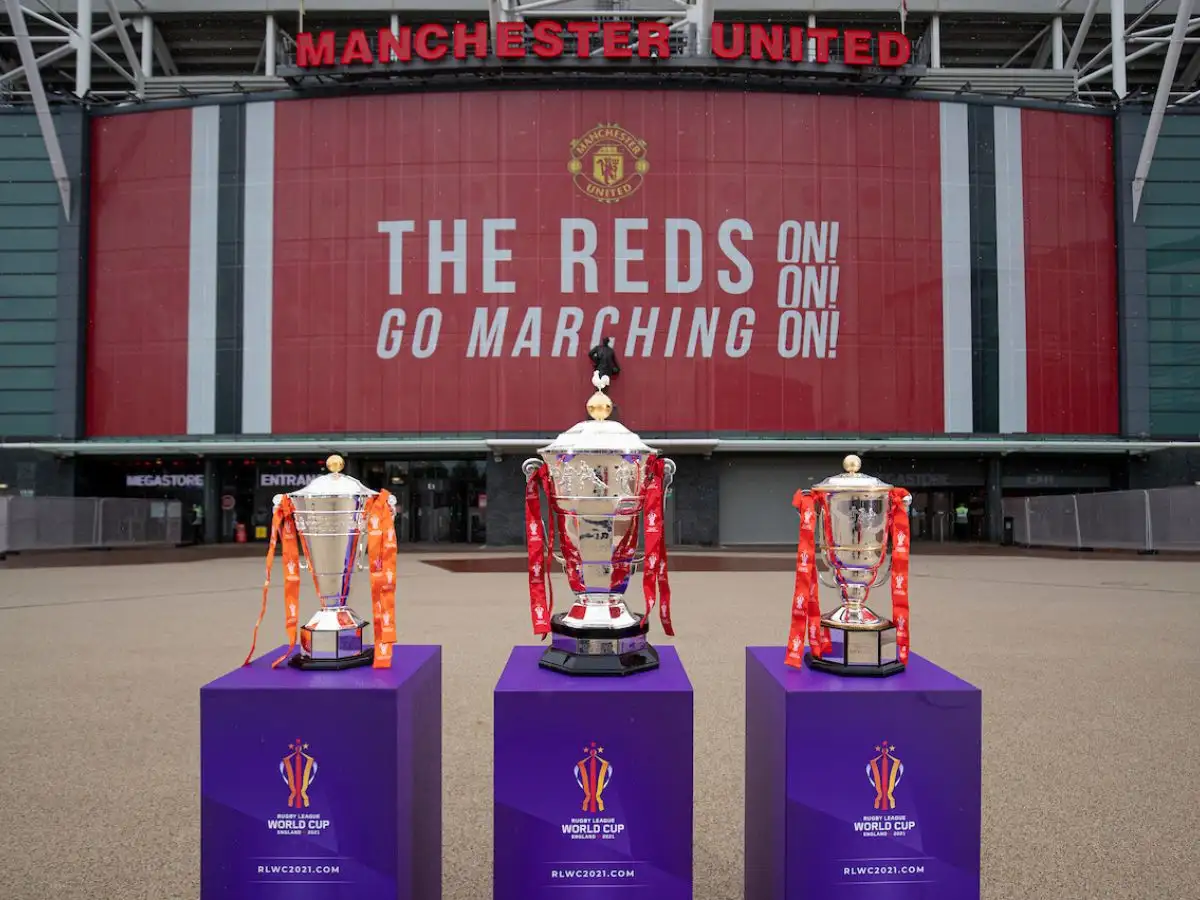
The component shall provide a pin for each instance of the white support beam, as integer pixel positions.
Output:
(147, 61)
(135, 64)
(1117, 23)
(163, 54)
(83, 48)
(272, 44)
(1161, 97)
(935, 42)
(33, 77)
(1056, 39)
(1082, 33)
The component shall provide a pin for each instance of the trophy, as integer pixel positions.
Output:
(857, 517)
(599, 480)
(340, 524)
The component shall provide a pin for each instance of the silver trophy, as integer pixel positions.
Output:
(854, 556)
(598, 473)
(331, 524)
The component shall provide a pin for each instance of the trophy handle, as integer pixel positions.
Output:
(530, 467)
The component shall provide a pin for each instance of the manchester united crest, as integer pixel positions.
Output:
(608, 163)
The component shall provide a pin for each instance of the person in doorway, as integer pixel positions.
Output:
(961, 516)
(197, 523)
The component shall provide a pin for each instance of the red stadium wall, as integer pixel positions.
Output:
(812, 300)
(1070, 273)
(137, 345)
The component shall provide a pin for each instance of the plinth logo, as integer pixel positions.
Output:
(298, 770)
(592, 774)
(884, 772)
(608, 163)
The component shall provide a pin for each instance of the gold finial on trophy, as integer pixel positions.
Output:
(599, 406)
(335, 464)
(852, 464)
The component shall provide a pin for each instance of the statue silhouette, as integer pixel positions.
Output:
(604, 362)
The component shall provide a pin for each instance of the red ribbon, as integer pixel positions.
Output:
(654, 578)
(806, 605)
(538, 545)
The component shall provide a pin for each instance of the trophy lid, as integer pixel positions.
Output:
(597, 434)
(852, 479)
(334, 483)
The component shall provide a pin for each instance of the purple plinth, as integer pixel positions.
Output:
(560, 741)
(323, 785)
(830, 814)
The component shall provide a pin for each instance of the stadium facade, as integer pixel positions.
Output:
(233, 241)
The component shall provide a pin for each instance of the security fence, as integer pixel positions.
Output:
(65, 523)
(1165, 519)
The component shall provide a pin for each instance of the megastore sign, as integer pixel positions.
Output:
(613, 41)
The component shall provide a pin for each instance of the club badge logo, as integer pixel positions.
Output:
(299, 770)
(608, 163)
(884, 772)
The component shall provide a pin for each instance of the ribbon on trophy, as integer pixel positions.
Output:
(898, 528)
(654, 577)
(539, 544)
(283, 531)
(806, 604)
(381, 555)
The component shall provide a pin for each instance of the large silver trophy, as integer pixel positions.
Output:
(600, 478)
(330, 513)
(862, 533)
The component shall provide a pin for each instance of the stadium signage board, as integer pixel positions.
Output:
(612, 41)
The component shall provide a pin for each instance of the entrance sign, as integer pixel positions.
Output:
(615, 41)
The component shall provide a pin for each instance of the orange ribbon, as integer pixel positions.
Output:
(283, 528)
(381, 552)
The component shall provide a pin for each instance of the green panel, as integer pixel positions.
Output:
(26, 170)
(27, 237)
(1169, 194)
(44, 216)
(1170, 216)
(1179, 400)
(41, 309)
(27, 333)
(19, 124)
(17, 425)
(1173, 308)
(24, 354)
(29, 262)
(21, 286)
(27, 402)
(1174, 376)
(28, 148)
(1176, 169)
(1174, 425)
(43, 192)
(1175, 354)
(26, 379)
(1184, 262)
(1179, 239)
(1176, 146)
(1178, 331)
(1166, 285)
(1175, 126)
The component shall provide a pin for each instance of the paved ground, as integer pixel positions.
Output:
(1088, 667)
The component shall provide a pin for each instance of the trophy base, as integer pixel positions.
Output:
(598, 651)
(314, 664)
(862, 652)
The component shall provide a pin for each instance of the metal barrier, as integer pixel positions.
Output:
(1160, 519)
(67, 523)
